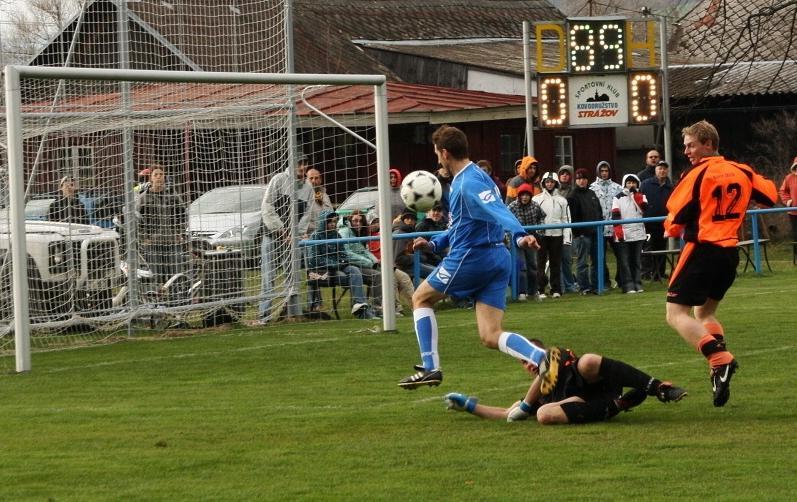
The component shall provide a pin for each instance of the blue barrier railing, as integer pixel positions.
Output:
(756, 246)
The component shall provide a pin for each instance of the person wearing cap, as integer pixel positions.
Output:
(629, 204)
(329, 259)
(403, 254)
(67, 207)
(606, 189)
(651, 161)
(585, 206)
(788, 194)
(527, 213)
(551, 241)
(657, 190)
(527, 172)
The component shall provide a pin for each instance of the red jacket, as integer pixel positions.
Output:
(788, 192)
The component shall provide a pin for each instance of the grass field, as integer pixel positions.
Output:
(312, 411)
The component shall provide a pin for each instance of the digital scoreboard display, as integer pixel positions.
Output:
(587, 77)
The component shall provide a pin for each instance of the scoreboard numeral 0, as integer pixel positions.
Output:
(644, 93)
(553, 102)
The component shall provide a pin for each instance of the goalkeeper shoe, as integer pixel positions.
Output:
(549, 370)
(423, 377)
(460, 402)
(631, 399)
(667, 392)
(721, 382)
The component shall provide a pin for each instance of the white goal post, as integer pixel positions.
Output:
(14, 76)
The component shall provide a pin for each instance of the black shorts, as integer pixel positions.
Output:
(704, 271)
(571, 384)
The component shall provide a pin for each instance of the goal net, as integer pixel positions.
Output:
(145, 198)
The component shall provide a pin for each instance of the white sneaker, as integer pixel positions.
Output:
(632, 292)
(640, 290)
(555, 295)
(522, 297)
(542, 296)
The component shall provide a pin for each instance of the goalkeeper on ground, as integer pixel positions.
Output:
(589, 389)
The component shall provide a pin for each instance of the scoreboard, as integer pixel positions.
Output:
(587, 76)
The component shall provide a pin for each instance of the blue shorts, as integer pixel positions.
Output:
(480, 273)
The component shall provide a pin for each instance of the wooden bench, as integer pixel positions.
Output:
(745, 246)
(669, 255)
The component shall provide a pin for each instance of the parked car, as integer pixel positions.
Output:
(71, 268)
(362, 199)
(228, 218)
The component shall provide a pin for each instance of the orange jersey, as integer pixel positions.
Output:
(709, 204)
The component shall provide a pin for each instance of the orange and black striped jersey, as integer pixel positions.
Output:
(709, 204)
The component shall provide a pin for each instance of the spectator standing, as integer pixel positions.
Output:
(275, 212)
(788, 194)
(585, 206)
(651, 161)
(569, 283)
(67, 207)
(527, 172)
(330, 259)
(396, 202)
(487, 167)
(162, 226)
(656, 190)
(630, 203)
(606, 190)
(445, 178)
(317, 203)
(551, 241)
(527, 213)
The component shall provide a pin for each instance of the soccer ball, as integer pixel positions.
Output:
(420, 190)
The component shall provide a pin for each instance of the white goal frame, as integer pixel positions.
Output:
(13, 76)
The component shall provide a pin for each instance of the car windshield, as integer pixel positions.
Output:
(237, 199)
(364, 198)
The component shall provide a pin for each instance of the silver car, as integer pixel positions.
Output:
(228, 218)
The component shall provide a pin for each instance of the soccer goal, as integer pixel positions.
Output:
(136, 197)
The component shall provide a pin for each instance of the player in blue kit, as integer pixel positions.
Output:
(478, 265)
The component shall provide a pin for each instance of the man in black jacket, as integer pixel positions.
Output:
(585, 206)
(657, 190)
(68, 207)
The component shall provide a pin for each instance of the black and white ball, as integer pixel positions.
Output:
(420, 190)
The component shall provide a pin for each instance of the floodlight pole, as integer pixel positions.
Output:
(527, 81)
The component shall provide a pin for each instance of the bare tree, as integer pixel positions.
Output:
(31, 27)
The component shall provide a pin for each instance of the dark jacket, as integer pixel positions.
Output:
(646, 173)
(163, 216)
(330, 255)
(429, 225)
(657, 196)
(584, 206)
(69, 210)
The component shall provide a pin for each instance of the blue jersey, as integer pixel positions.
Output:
(478, 215)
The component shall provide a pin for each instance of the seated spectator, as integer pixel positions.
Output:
(403, 254)
(403, 288)
(358, 254)
(434, 222)
(68, 207)
(329, 260)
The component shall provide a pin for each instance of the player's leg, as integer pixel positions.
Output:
(713, 347)
(572, 410)
(594, 368)
(423, 301)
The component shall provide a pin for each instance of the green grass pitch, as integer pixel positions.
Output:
(311, 411)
